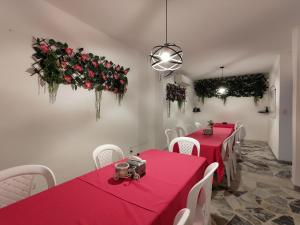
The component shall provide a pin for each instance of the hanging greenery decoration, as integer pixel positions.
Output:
(56, 63)
(254, 85)
(175, 93)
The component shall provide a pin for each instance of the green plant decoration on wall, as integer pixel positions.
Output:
(56, 63)
(175, 93)
(238, 86)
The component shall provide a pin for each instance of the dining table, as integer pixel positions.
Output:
(96, 198)
(211, 146)
(224, 125)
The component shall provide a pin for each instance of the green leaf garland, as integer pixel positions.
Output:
(254, 85)
(56, 63)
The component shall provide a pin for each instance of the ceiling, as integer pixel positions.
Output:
(243, 35)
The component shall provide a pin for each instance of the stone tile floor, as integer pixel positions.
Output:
(261, 194)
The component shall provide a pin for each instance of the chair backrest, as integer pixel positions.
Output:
(237, 125)
(200, 195)
(224, 148)
(170, 134)
(198, 125)
(237, 134)
(16, 183)
(227, 146)
(106, 154)
(231, 140)
(182, 217)
(180, 131)
(185, 145)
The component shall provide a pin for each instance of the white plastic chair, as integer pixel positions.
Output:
(180, 132)
(239, 137)
(170, 134)
(182, 217)
(237, 143)
(198, 125)
(16, 183)
(200, 210)
(185, 145)
(227, 149)
(237, 125)
(190, 128)
(235, 146)
(104, 155)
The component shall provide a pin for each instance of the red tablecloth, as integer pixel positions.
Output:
(226, 125)
(211, 146)
(96, 199)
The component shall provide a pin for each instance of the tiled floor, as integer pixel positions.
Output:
(261, 194)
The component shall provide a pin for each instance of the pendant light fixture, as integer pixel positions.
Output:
(222, 90)
(166, 57)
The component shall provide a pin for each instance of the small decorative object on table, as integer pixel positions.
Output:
(209, 130)
(134, 168)
(121, 170)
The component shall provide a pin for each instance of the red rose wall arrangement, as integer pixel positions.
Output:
(56, 63)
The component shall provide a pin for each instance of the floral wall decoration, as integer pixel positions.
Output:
(175, 93)
(238, 86)
(55, 63)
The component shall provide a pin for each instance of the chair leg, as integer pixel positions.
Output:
(234, 160)
(239, 150)
(228, 173)
(232, 170)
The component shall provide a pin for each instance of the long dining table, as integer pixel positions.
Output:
(224, 125)
(211, 146)
(97, 199)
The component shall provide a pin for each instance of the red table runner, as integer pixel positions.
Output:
(224, 125)
(211, 146)
(96, 199)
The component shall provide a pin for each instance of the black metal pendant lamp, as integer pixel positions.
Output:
(222, 90)
(166, 57)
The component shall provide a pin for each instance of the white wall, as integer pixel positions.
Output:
(183, 117)
(63, 135)
(285, 108)
(274, 98)
(236, 109)
(296, 107)
(280, 126)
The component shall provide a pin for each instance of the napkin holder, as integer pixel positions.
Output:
(138, 164)
(134, 168)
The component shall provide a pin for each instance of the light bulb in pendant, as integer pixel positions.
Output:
(165, 57)
(222, 91)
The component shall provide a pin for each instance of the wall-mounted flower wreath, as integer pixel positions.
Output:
(56, 63)
(175, 93)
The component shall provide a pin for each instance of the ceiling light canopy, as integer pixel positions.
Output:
(166, 57)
